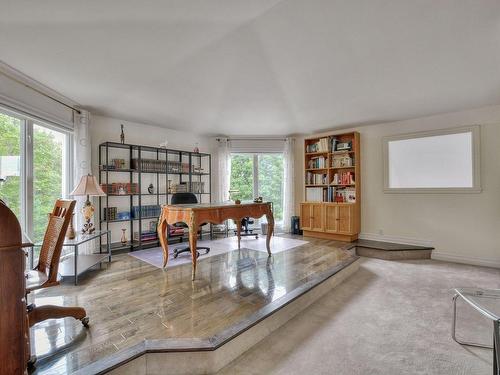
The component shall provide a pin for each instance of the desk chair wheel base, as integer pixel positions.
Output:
(85, 322)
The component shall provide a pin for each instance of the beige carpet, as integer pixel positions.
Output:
(391, 317)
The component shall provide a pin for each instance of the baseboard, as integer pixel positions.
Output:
(450, 257)
(395, 239)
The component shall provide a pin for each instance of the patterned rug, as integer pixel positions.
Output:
(154, 256)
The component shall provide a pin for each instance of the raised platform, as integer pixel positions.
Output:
(391, 251)
(144, 320)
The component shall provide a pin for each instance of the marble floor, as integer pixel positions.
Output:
(389, 318)
(130, 300)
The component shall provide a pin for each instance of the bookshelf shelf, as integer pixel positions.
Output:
(332, 188)
(132, 169)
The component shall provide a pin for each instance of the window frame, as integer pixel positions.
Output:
(476, 162)
(27, 164)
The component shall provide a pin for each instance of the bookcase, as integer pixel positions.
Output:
(138, 180)
(332, 187)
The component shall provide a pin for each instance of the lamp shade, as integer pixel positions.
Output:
(88, 186)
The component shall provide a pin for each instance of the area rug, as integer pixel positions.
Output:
(154, 256)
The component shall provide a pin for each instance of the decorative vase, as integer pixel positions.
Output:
(124, 237)
(70, 233)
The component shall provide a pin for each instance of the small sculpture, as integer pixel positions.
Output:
(124, 237)
(196, 148)
(258, 200)
(237, 201)
(151, 189)
(122, 135)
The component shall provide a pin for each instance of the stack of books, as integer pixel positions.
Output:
(146, 211)
(179, 188)
(317, 162)
(146, 236)
(315, 178)
(347, 195)
(323, 145)
(110, 213)
(120, 188)
(344, 178)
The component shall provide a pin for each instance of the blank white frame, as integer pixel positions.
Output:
(392, 143)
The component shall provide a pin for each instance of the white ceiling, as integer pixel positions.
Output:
(259, 66)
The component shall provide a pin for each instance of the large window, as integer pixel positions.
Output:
(258, 175)
(438, 161)
(35, 166)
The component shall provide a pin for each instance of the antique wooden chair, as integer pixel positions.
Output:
(45, 273)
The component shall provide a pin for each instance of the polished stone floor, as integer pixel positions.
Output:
(130, 300)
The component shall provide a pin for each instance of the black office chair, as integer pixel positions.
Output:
(187, 198)
(245, 230)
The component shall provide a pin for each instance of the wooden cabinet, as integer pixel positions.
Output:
(339, 218)
(328, 218)
(312, 216)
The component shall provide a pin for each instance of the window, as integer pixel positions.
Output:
(45, 158)
(438, 161)
(258, 175)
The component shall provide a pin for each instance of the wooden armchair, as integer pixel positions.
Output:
(45, 273)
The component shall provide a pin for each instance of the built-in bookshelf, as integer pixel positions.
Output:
(332, 186)
(138, 180)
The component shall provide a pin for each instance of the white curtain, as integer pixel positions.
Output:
(288, 183)
(82, 166)
(224, 170)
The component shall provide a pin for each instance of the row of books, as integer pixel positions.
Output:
(120, 188)
(153, 165)
(110, 213)
(316, 178)
(343, 178)
(146, 211)
(330, 194)
(197, 187)
(317, 162)
(146, 236)
(323, 145)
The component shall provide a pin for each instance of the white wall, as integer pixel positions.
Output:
(104, 129)
(462, 227)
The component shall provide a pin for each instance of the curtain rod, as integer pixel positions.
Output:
(251, 139)
(42, 93)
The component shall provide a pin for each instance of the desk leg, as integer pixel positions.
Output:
(193, 238)
(162, 227)
(108, 245)
(270, 230)
(496, 343)
(76, 264)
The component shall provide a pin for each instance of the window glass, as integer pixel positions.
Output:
(49, 175)
(10, 162)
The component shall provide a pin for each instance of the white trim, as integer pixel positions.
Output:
(476, 167)
(476, 261)
(395, 239)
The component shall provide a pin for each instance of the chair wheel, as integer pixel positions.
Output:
(176, 255)
(197, 254)
(85, 322)
(256, 237)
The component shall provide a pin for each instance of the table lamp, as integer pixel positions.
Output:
(89, 187)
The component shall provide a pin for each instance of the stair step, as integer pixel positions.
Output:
(391, 251)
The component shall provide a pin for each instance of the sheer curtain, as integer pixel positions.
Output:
(288, 183)
(224, 171)
(82, 166)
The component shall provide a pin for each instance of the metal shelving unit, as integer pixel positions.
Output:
(113, 150)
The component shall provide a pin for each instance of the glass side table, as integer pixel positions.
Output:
(75, 264)
(480, 300)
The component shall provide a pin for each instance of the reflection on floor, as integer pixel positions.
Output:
(132, 300)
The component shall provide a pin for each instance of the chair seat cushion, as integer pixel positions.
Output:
(35, 280)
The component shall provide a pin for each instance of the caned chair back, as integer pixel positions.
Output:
(50, 253)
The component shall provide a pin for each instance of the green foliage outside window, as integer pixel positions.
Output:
(47, 171)
(270, 179)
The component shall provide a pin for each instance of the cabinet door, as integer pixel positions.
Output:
(345, 216)
(331, 222)
(317, 217)
(306, 216)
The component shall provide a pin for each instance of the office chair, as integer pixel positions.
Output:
(187, 198)
(245, 230)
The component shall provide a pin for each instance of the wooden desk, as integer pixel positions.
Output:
(195, 214)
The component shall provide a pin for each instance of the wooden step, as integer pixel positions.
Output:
(391, 251)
